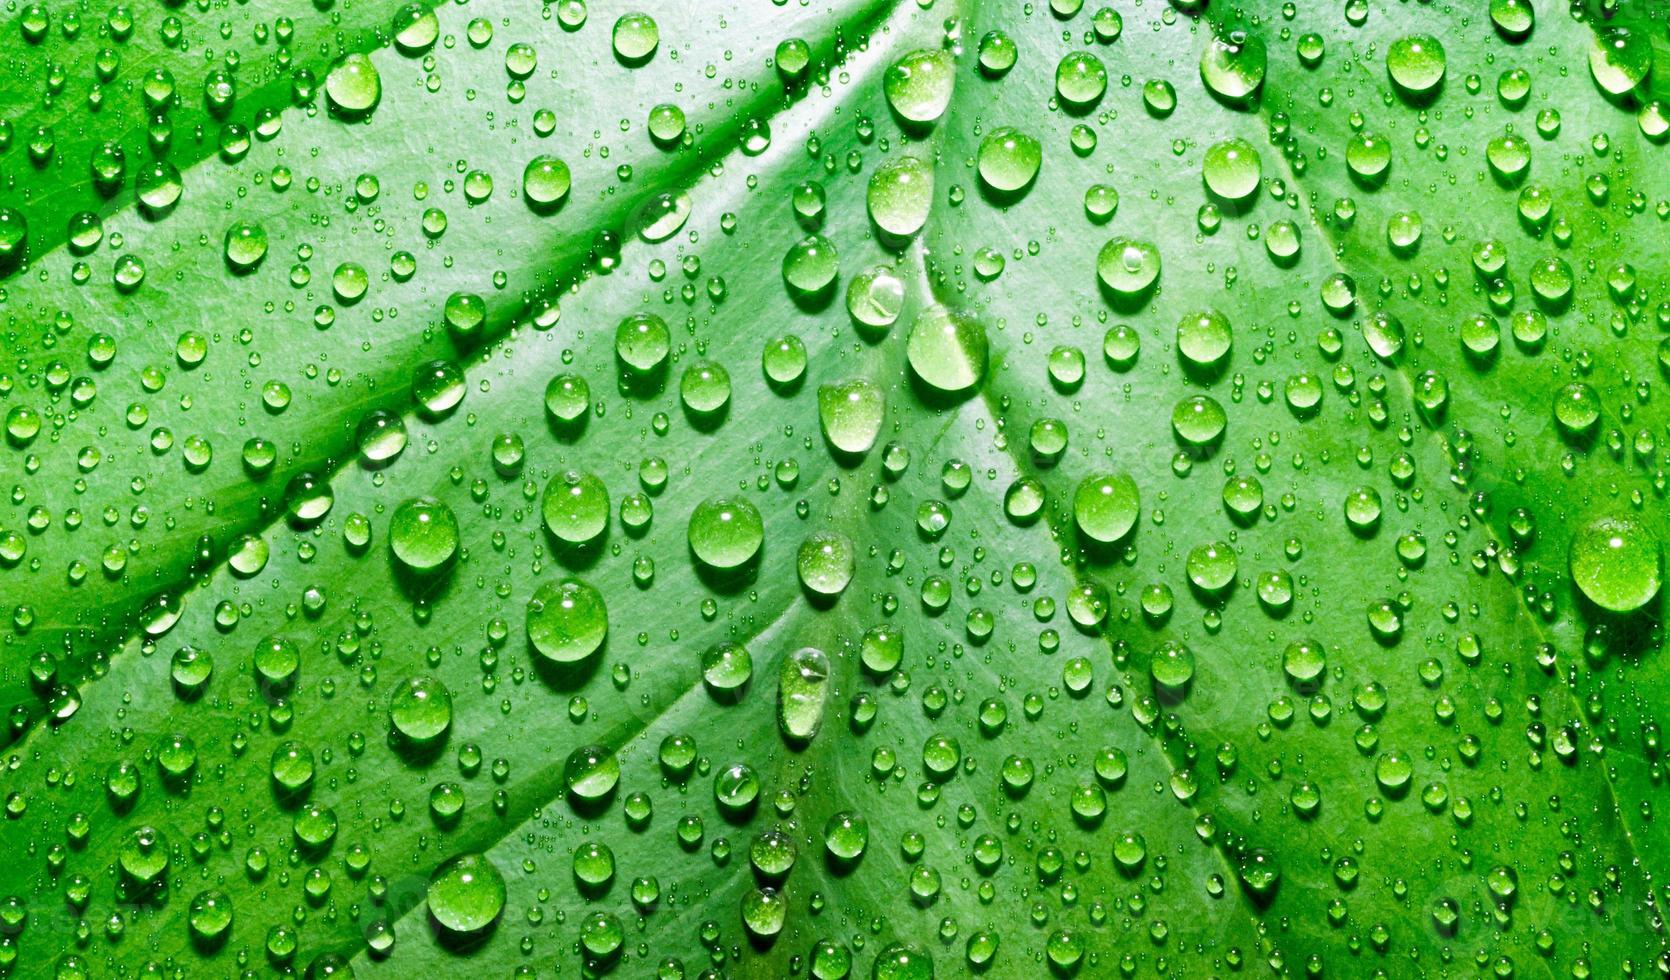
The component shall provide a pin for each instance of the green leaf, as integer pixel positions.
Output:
(1007, 489)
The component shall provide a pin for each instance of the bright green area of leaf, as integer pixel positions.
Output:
(1445, 751)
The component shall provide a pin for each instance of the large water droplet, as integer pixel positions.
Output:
(725, 532)
(353, 85)
(423, 535)
(567, 620)
(850, 413)
(947, 349)
(1105, 508)
(1615, 562)
(900, 196)
(802, 692)
(466, 894)
(919, 85)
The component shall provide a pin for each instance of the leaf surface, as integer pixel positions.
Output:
(1339, 695)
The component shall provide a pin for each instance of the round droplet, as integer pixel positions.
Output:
(1514, 19)
(725, 532)
(466, 894)
(1577, 409)
(591, 773)
(246, 245)
(576, 507)
(811, 265)
(1128, 267)
(1198, 421)
(1615, 563)
(919, 85)
(850, 414)
(209, 917)
(705, 388)
(826, 563)
(1232, 170)
(901, 195)
(1416, 64)
(1080, 79)
(545, 182)
(1233, 66)
(423, 534)
(784, 360)
(1368, 155)
(353, 85)
(1008, 159)
(1304, 662)
(1204, 339)
(1105, 508)
(875, 297)
(420, 710)
(636, 36)
(567, 620)
(642, 343)
(947, 350)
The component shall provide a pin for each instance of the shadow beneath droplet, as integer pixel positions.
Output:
(1128, 302)
(1107, 553)
(418, 755)
(707, 422)
(1001, 198)
(578, 556)
(738, 814)
(1246, 103)
(566, 676)
(1420, 100)
(889, 241)
(636, 383)
(726, 581)
(1231, 207)
(1370, 182)
(567, 430)
(820, 601)
(460, 943)
(938, 400)
(813, 301)
(421, 586)
(545, 208)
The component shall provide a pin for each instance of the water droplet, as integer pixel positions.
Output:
(725, 532)
(901, 195)
(1232, 170)
(802, 692)
(1128, 268)
(850, 414)
(423, 535)
(1233, 66)
(1008, 160)
(1416, 64)
(919, 86)
(545, 182)
(635, 38)
(947, 350)
(466, 895)
(353, 85)
(1615, 563)
(575, 507)
(1105, 508)
(567, 621)
(420, 710)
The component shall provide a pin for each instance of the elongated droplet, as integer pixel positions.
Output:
(802, 693)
